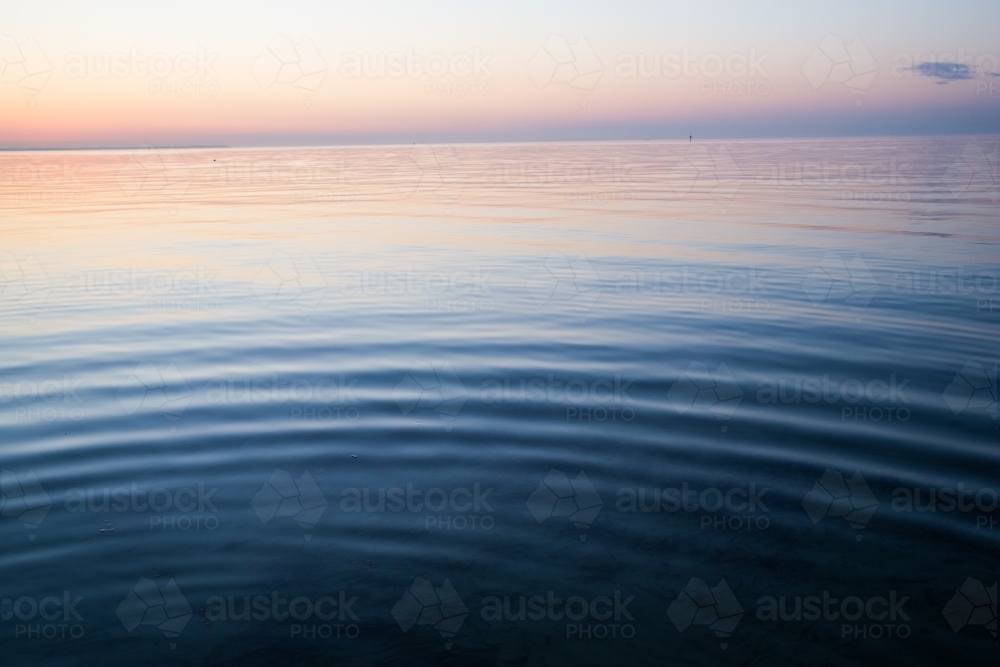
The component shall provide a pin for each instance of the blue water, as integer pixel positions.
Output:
(655, 395)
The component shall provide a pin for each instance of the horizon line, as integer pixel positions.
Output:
(460, 142)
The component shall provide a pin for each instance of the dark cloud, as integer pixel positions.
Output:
(944, 72)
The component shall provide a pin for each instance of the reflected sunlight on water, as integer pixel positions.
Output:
(443, 379)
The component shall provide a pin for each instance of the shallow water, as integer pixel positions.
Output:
(403, 390)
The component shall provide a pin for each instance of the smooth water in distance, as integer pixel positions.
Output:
(585, 403)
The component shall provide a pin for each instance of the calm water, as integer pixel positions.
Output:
(588, 404)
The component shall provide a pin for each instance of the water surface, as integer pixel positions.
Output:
(669, 390)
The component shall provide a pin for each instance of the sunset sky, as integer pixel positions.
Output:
(248, 73)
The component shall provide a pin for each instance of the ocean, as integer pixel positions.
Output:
(597, 403)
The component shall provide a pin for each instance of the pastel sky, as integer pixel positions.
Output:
(310, 72)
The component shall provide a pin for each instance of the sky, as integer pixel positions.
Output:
(121, 74)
